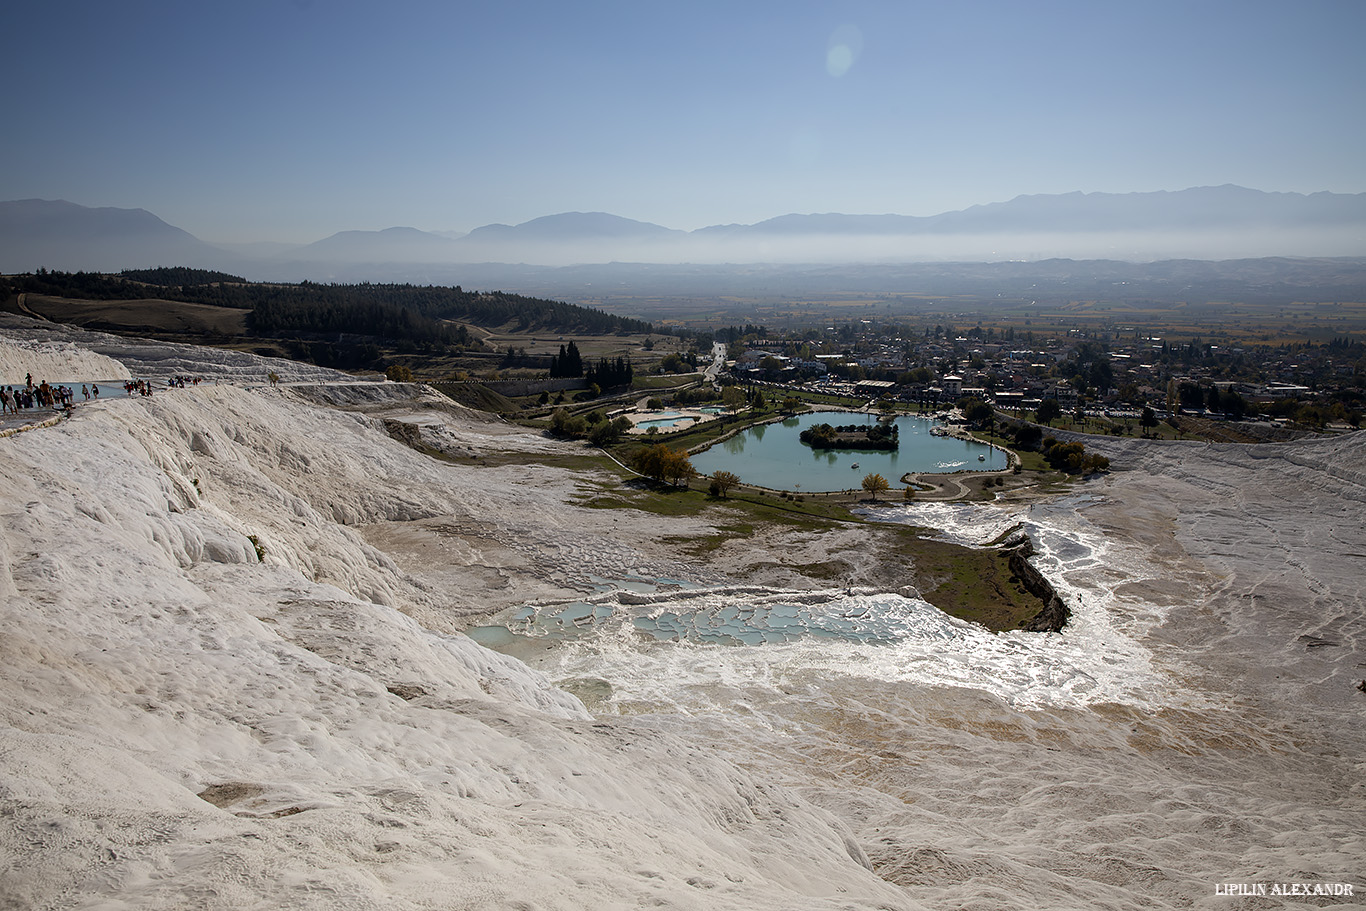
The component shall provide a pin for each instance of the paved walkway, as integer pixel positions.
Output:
(28, 420)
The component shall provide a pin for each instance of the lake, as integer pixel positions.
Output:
(771, 455)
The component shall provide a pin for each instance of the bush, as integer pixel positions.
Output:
(1028, 436)
(564, 424)
(605, 433)
(875, 484)
(722, 482)
(978, 413)
(664, 464)
(1073, 458)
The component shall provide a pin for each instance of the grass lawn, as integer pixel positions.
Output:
(973, 584)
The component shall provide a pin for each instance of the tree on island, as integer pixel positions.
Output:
(874, 437)
(873, 483)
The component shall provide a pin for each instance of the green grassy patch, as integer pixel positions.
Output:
(585, 461)
(702, 546)
(973, 584)
(664, 500)
(477, 396)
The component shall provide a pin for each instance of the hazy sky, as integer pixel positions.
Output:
(293, 119)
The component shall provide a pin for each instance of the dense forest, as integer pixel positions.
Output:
(415, 316)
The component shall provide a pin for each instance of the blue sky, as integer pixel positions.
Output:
(293, 119)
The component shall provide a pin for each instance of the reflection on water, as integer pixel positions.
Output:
(771, 455)
(748, 619)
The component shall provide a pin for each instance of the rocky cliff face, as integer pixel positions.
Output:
(1055, 613)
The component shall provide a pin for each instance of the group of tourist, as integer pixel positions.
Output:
(14, 399)
(44, 395)
(144, 387)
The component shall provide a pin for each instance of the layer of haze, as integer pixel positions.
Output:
(1129, 246)
(291, 121)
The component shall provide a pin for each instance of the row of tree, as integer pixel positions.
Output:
(179, 276)
(608, 374)
(605, 374)
(567, 363)
(1227, 402)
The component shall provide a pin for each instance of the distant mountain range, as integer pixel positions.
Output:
(56, 234)
(1200, 223)
(569, 226)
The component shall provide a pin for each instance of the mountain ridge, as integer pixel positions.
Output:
(1190, 223)
(38, 233)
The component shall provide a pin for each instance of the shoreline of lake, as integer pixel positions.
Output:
(788, 465)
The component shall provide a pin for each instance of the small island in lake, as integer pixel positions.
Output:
(873, 437)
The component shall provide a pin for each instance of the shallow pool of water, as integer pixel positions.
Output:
(666, 420)
(705, 650)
